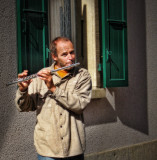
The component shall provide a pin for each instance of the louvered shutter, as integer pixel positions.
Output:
(114, 43)
(32, 28)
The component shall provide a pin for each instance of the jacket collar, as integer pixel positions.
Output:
(57, 79)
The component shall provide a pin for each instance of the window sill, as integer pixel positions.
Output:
(98, 93)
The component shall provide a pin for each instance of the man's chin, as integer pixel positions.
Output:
(68, 69)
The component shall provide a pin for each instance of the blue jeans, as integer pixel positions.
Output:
(79, 157)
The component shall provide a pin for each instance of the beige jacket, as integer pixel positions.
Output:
(59, 131)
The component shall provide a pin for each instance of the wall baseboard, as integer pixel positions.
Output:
(141, 151)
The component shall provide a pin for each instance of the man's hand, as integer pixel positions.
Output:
(23, 86)
(45, 75)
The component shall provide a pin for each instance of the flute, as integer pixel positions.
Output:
(19, 80)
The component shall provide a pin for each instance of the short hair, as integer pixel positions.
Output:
(53, 44)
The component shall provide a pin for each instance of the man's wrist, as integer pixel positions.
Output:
(52, 89)
(23, 89)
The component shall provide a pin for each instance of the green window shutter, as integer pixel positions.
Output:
(32, 30)
(114, 43)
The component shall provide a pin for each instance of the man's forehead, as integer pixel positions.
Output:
(64, 45)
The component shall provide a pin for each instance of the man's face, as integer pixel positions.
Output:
(65, 54)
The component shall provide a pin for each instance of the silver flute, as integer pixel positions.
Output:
(19, 80)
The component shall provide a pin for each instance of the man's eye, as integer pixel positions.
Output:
(64, 54)
(72, 52)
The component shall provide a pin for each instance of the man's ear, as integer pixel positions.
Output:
(54, 57)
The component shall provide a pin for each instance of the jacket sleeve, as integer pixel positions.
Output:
(76, 100)
(25, 102)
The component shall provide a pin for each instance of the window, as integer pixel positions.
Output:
(62, 19)
(114, 43)
(32, 34)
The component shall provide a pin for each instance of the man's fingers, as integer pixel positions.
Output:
(24, 85)
(23, 74)
(44, 73)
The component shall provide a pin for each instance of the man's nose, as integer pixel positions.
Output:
(69, 56)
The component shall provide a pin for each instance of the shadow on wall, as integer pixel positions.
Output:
(16, 129)
(7, 111)
(128, 104)
(99, 112)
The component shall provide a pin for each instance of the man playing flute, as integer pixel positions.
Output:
(59, 101)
